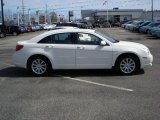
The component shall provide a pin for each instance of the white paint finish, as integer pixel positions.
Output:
(93, 56)
(99, 84)
(68, 56)
(64, 56)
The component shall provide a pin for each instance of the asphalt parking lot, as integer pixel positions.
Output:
(80, 94)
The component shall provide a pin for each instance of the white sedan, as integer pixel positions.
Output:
(80, 49)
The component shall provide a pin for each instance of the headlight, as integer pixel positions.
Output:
(146, 50)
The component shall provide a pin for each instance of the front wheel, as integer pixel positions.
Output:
(128, 65)
(39, 66)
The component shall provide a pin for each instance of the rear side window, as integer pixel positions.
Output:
(46, 40)
(62, 38)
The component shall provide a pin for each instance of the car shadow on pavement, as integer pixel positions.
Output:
(20, 72)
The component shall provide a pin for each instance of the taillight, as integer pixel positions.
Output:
(19, 47)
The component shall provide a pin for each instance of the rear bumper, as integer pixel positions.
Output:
(18, 60)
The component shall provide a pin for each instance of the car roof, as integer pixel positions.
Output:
(70, 30)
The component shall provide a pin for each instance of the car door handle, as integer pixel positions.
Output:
(48, 46)
(80, 47)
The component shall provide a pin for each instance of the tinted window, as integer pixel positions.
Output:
(46, 40)
(88, 39)
(62, 38)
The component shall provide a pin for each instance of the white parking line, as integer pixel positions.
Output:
(8, 64)
(85, 81)
(99, 84)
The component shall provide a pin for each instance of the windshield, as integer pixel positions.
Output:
(107, 37)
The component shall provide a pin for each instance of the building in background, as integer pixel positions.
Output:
(117, 15)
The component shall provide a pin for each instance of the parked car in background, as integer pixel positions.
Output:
(133, 26)
(28, 28)
(49, 27)
(2, 31)
(137, 27)
(80, 49)
(123, 22)
(145, 29)
(33, 28)
(78, 25)
(150, 30)
(64, 27)
(128, 26)
(88, 24)
(156, 33)
(82, 25)
(124, 25)
(15, 30)
(23, 29)
(38, 27)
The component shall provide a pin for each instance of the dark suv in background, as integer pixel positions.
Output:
(15, 30)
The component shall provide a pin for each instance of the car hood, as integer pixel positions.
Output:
(130, 44)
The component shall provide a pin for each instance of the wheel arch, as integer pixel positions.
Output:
(39, 55)
(127, 54)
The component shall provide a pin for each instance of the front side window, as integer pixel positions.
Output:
(88, 39)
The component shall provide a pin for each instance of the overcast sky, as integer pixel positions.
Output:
(62, 6)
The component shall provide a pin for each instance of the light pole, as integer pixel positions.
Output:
(152, 12)
(2, 4)
(38, 17)
(46, 14)
(29, 16)
(18, 15)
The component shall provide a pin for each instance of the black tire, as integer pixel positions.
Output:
(130, 68)
(46, 62)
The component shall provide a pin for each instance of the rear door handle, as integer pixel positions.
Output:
(82, 47)
(49, 46)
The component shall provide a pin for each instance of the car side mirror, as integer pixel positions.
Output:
(103, 43)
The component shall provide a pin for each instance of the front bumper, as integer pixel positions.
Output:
(147, 61)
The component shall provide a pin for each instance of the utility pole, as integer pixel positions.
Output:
(29, 16)
(18, 15)
(46, 14)
(152, 12)
(2, 4)
(38, 16)
(23, 8)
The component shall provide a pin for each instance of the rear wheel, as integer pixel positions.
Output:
(39, 66)
(127, 65)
